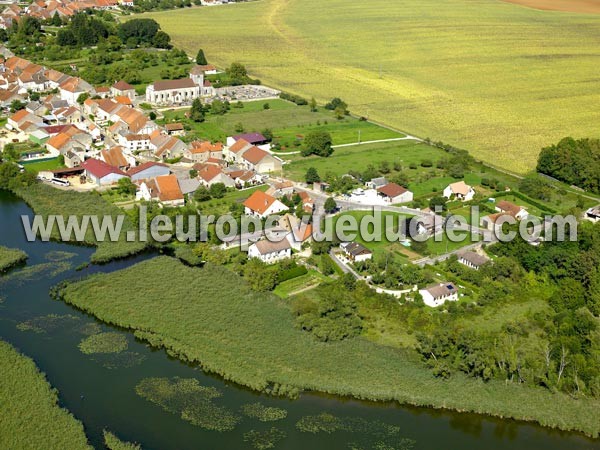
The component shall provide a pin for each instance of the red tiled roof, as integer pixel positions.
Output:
(205, 146)
(259, 202)
(99, 168)
(174, 126)
(239, 145)
(168, 188)
(122, 86)
(392, 190)
(508, 207)
(114, 157)
(208, 172)
(254, 155)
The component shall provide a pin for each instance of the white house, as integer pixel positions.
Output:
(260, 161)
(593, 214)
(300, 232)
(134, 142)
(72, 88)
(270, 251)
(460, 191)
(506, 207)
(262, 205)
(209, 174)
(356, 252)
(121, 88)
(163, 189)
(472, 259)
(437, 294)
(394, 193)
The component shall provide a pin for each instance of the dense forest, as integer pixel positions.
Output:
(576, 162)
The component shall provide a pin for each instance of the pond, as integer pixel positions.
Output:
(100, 389)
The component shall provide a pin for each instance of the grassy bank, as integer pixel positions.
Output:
(46, 200)
(528, 82)
(31, 417)
(209, 316)
(10, 257)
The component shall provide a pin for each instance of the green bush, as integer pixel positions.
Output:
(291, 273)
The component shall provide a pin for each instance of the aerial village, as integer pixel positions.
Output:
(106, 137)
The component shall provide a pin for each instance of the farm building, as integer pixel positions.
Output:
(394, 193)
(148, 170)
(102, 173)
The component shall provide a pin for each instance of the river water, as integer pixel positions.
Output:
(101, 392)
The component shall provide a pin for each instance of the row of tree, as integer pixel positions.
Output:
(574, 161)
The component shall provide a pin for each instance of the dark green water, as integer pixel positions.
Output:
(109, 398)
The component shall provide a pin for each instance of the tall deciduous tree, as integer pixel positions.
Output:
(317, 143)
(312, 176)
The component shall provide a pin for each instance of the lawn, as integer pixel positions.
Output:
(31, 416)
(219, 206)
(495, 78)
(210, 317)
(358, 157)
(389, 221)
(445, 245)
(50, 164)
(289, 123)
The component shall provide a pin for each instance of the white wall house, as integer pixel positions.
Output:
(356, 252)
(460, 191)
(262, 205)
(437, 294)
(270, 252)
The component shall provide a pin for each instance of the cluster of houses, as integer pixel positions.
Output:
(439, 293)
(45, 10)
(103, 138)
(293, 232)
(504, 209)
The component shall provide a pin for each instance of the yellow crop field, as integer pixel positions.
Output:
(496, 78)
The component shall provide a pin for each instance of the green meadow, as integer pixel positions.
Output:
(495, 78)
(288, 122)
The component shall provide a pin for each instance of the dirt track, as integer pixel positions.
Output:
(579, 6)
